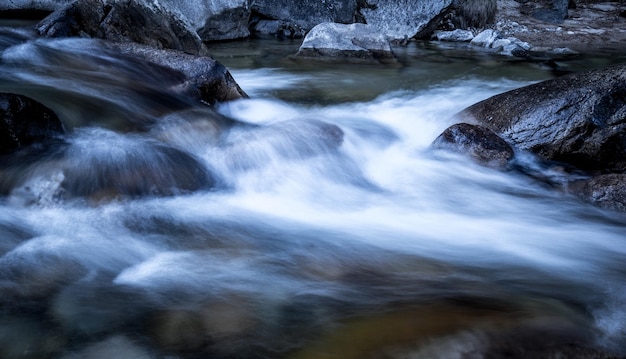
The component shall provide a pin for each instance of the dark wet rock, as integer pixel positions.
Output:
(217, 19)
(24, 121)
(552, 11)
(474, 13)
(578, 119)
(405, 19)
(607, 191)
(354, 42)
(306, 14)
(278, 28)
(101, 165)
(138, 21)
(477, 142)
(202, 77)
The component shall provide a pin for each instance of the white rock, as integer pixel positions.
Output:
(486, 38)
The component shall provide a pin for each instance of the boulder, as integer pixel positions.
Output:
(97, 165)
(141, 21)
(24, 121)
(278, 28)
(403, 19)
(217, 19)
(552, 11)
(354, 42)
(307, 14)
(578, 119)
(477, 142)
(606, 191)
(474, 13)
(202, 77)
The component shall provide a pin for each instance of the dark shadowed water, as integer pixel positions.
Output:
(315, 223)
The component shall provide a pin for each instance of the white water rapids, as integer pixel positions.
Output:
(301, 237)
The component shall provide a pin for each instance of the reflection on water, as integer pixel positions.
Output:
(320, 225)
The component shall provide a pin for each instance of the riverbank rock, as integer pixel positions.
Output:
(215, 20)
(202, 77)
(354, 43)
(306, 14)
(578, 119)
(24, 122)
(405, 19)
(140, 21)
(606, 191)
(477, 142)
(552, 11)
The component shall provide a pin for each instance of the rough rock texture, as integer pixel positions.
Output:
(402, 19)
(578, 119)
(32, 5)
(606, 191)
(476, 14)
(140, 21)
(217, 19)
(477, 142)
(278, 28)
(307, 14)
(553, 11)
(590, 27)
(24, 121)
(354, 42)
(203, 78)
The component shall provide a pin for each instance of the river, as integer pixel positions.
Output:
(334, 230)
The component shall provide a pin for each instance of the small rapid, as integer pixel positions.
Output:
(287, 225)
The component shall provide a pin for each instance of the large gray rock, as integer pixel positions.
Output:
(202, 77)
(307, 14)
(217, 19)
(552, 11)
(354, 42)
(141, 21)
(24, 121)
(401, 19)
(578, 119)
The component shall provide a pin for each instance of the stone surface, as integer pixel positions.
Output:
(457, 35)
(476, 142)
(202, 78)
(405, 19)
(579, 119)
(354, 42)
(24, 121)
(216, 19)
(140, 21)
(606, 191)
(307, 14)
(27, 5)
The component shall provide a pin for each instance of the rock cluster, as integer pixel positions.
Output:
(577, 121)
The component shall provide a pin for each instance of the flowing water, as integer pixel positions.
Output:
(313, 221)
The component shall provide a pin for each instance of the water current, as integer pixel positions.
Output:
(322, 225)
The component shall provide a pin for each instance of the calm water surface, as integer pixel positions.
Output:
(330, 231)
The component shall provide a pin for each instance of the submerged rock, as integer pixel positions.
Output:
(24, 121)
(355, 42)
(579, 119)
(477, 142)
(98, 165)
(141, 21)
